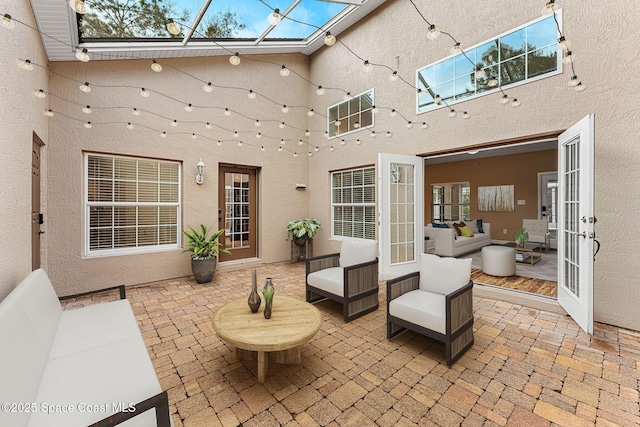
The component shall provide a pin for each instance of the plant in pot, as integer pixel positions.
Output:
(303, 229)
(204, 252)
(522, 237)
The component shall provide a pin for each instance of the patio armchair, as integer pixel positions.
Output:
(436, 301)
(349, 277)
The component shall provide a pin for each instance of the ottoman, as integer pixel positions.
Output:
(498, 261)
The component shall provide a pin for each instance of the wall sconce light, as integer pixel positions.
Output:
(200, 168)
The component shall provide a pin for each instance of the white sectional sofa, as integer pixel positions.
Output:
(448, 243)
(83, 367)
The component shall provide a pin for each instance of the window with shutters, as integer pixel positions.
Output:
(353, 203)
(131, 204)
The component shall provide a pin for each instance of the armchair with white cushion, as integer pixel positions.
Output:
(436, 301)
(349, 277)
(538, 230)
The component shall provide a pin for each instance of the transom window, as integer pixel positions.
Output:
(131, 204)
(451, 201)
(351, 115)
(524, 54)
(353, 203)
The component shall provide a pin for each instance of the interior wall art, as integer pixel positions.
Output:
(496, 198)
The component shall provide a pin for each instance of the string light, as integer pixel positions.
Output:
(49, 113)
(78, 6)
(227, 112)
(310, 113)
(433, 33)
(155, 66)
(307, 133)
(144, 93)
(393, 76)
(281, 125)
(235, 59)
(372, 134)
(163, 134)
(240, 143)
(39, 94)
(329, 39)
(207, 126)
(282, 141)
(573, 82)
(366, 66)
(456, 49)
(251, 94)
(262, 148)
(493, 82)
(275, 17)
(515, 103)
(564, 43)
(219, 143)
(409, 124)
(505, 99)
(388, 134)
(424, 125)
(83, 55)
(465, 115)
(300, 142)
(358, 142)
(284, 71)
(343, 142)
(235, 134)
(452, 113)
(374, 109)
(332, 148)
(320, 90)
(129, 125)
(208, 88)
(174, 123)
(136, 112)
(26, 65)
(86, 110)
(188, 108)
(568, 57)
(480, 73)
(194, 136)
(549, 8)
(279, 148)
(88, 125)
(7, 22)
(356, 125)
(437, 99)
(338, 123)
(346, 96)
(172, 27)
(258, 123)
(316, 149)
(393, 113)
(85, 87)
(579, 87)
(285, 109)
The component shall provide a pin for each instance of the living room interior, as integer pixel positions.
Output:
(214, 113)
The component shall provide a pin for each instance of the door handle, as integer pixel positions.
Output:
(583, 234)
(40, 232)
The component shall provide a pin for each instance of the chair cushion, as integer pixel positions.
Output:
(329, 279)
(423, 308)
(443, 275)
(357, 251)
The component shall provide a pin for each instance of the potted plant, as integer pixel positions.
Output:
(303, 229)
(204, 252)
(522, 237)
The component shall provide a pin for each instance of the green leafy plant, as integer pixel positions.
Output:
(301, 227)
(268, 294)
(522, 236)
(200, 245)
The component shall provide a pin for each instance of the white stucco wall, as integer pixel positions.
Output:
(604, 40)
(21, 114)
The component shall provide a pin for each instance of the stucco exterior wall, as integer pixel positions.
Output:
(21, 114)
(607, 63)
(116, 87)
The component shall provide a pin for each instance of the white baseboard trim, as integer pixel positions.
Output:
(512, 296)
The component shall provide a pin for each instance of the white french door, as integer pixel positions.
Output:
(400, 213)
(576, 221)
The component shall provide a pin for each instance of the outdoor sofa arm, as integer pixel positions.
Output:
(401, 285)
(321, 262)
(160, 402)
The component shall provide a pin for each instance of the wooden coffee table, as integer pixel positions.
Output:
(293, 323)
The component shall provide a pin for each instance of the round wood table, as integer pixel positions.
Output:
(293, 323)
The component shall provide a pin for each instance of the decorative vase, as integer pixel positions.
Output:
(254, 297)
(268, 292)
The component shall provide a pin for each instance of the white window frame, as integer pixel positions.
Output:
(330, 123)
(88, 252)
(371, 205)
(459, 204)
(526, 80)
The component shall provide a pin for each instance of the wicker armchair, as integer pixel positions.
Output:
(349, 277)
(436, 302)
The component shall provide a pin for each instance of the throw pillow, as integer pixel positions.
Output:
(439, 225)
(457, 227)
(466, 231)
(479, 225)
(443, 275)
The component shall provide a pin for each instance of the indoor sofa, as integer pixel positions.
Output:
(449, 243)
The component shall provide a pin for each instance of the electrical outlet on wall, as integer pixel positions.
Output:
(504, 231)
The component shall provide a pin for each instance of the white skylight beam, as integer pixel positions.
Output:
(271, 27)
(196, 22)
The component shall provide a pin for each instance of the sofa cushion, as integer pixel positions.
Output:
(328, 279)
(357, 251)
(443, 275)
(466, 231)
(479, 226)
(423, 308)
(439, 225)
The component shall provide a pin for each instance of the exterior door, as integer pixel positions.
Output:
(548, 203)
(576, 222)
(401, 206)
(36, 216)
(238, 199)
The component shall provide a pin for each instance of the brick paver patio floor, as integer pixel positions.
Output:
(526, 368)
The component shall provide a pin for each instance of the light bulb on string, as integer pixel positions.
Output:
(574, 81)
(356, 125)
(282, 142)
(83, 55)
(564, 43)
(493, 82)
(310, 113)
(433, 33)
(235, 59)
(549, 8)
(372, 134)
(366, 66)
(194, 136)
(295, 154)
(78, 6)
(320, 90)
(480, 73)
(163, 134)
(332, 148)
(218, 143)
(279, 148)
(129, 125)
(310, 154)
(329, 39)
(316, 149)
(258, 123)
(420, 93)
(505, 99)
(235, 134)
(136, 112)
(188, 108)
(88, 125)
(452, 113)
(227, 112)
(515, 103)
(346, 96)
(284, 71)
(174, 123)
(281, 125)
(307, 133)
(465, 115)
(49, 113)
(258, 135)
(86, 110)
(251, 94)
(7, 22)
(568, 57)
(409, 124)
(144, 93)
(338, 123)
(388, 134)
(393, 76)
(358, 142)
(456, 48)
(85, 87)
(39, 94)
(240, 143)
(262, 148)
(284, 109)
(208, 88)
(26, 65)
(207, 125)
(374, 109)
(300, 142)
(155, 66)
(437, 99)
(343, 142)
(579, 87)
(393, 113)
(274, 18)
(172, 27)
(424, 125)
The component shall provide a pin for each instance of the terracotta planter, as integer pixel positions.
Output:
(203, 269)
